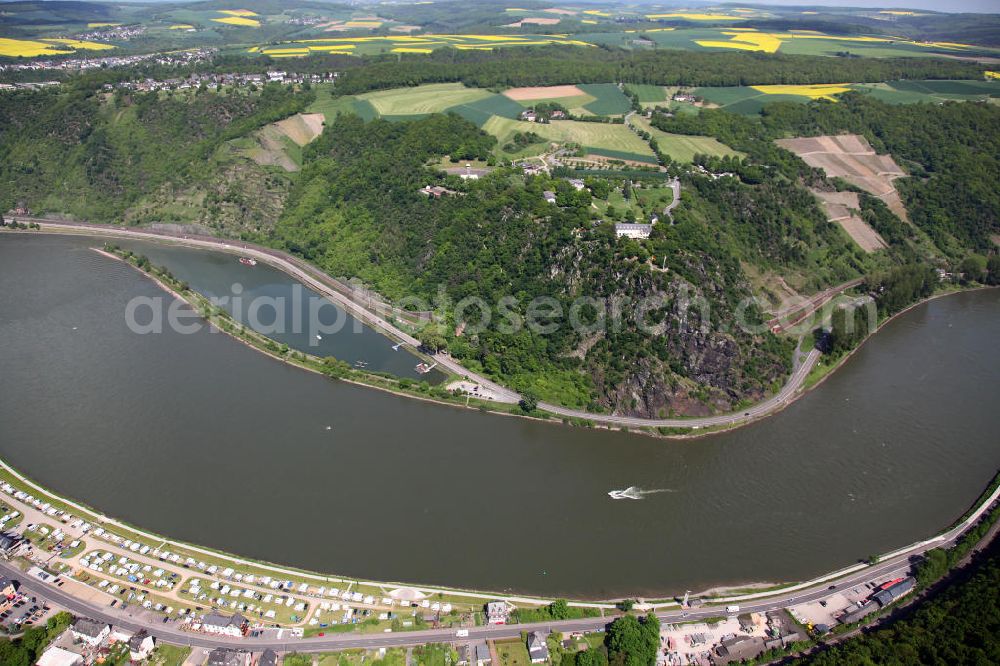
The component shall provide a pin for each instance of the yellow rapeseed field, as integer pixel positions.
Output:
(814, 91)
(181, 26)
(28, 49)
(944, 45)
(78, 44)
(102, 25)
(696, 17)
(770, 42)
(418, 44)
(993, 75)
(238, 12)
(746, 41)
(238, 20)
(597, 12)
(331, 48)
(300, 49)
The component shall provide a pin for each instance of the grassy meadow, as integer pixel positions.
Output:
(607, 139)
(681, 147)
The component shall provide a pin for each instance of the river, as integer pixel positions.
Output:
(206, 440)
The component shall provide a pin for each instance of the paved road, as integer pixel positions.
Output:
(172, 633)
(675, 185)
(290, 266)
(774, 403)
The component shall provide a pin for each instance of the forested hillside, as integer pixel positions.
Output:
(951, 153)
(137, 157)
(356, 211)
(746, 226)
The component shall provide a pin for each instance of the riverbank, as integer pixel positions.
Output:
(507, 400)
(222, 322)
(155, 442)
(821, 373)
(748, 592)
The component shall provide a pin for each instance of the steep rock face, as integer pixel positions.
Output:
(677, 348)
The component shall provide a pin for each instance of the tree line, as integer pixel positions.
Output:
(558, 64)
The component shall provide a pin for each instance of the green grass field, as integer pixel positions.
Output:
(608, 99)
(747, 101)
(601, 136)
(681, 147)
(481, 110)
(575, 104)
(513, 653)
(649, 94)
(169, 655)
(908, 92)
(431, 98)
(727, 95)
(330, 106)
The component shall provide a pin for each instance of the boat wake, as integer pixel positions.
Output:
(636, 493)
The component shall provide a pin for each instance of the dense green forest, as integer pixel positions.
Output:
(959, 625)
(951, 152)
(356, 210)
(553, 65)
(134, 157)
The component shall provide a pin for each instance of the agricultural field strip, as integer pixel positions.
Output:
(682, 147)
(851, 157)
(412, 44)
(431, 98)
(842, 208)
(590, 135)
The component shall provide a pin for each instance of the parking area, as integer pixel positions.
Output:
(25, 611)
(829, 609)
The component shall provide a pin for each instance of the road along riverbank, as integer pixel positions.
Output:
(504, 399)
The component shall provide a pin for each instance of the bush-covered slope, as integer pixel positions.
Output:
(950, 151)
(134, 157)
(356, 211)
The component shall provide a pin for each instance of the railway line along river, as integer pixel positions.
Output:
(200, 438)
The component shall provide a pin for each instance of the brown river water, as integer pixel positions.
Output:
(200, 438)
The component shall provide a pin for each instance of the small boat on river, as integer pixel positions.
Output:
(248, 261)
(628, 493)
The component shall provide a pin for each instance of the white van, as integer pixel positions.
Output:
(732, 609)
